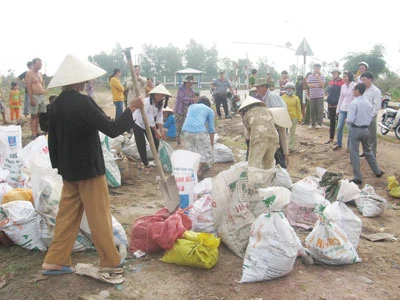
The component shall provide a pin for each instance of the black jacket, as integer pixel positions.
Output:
(74, 143)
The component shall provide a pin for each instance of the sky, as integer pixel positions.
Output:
(52, 29)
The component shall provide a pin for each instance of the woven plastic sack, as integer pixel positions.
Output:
(199, 250)
(164, 152)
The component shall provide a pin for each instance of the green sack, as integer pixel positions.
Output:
(164, 153)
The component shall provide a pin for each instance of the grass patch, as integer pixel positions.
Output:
(231, 143)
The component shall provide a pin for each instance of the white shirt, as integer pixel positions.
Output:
(373, 95)
(346, 96)
(154, 115)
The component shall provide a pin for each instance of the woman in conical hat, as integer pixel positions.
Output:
(153, 106)
(185, 97)
(75, 151)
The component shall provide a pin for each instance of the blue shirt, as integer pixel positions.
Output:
(197, 117)
(170, 124)
(359, 112)
(221, 86)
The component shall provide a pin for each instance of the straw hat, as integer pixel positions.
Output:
(167, 109)
(74, 70)
(281, 116)
(261, 81)
(160, 89)
(249, 101)
(189, 79)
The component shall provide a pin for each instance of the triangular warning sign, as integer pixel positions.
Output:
(304, 48)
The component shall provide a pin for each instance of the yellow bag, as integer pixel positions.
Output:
(18, 194)
(195, 249)
(392, 183)
(395, 192)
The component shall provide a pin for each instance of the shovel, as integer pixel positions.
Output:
(168, 187)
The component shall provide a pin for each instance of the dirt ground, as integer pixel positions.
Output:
(376, 277)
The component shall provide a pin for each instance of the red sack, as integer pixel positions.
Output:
(154, 233)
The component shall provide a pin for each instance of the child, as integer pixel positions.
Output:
(169, 123)
(14, 101)
(44, 117)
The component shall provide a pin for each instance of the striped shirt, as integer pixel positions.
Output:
(316, 92)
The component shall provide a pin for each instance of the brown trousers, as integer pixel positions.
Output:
(91, 196)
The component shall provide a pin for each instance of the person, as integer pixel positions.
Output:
(35, 86)
(75, 150)
(169, 123)
(273, 100)
(90, 88)
(44, 117)
(21, 78)
(306, 113)
(3, 109)
(260, 133)
(294, 110)
(184, 98)
(373, 95)
(346, 97)
(358, 118)
(362, 67)
(198, 131)
(153, 107)
(14, 102)
(140, 81)
(148, 86)
(252, 81)
(316, 83)
(270, 81)
(333, 98)
(282, 82)
(117, 91)
(221, 86)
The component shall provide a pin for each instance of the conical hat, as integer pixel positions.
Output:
(160, 89)
(281, 116)
(250, 100)
(74, 70)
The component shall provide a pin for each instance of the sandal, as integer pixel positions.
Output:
(328, 142)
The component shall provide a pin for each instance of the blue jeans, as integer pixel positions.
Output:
(341, 119)
(119, 108)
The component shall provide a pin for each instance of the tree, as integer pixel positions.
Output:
(374, 58)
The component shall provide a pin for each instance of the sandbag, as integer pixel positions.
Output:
(184, 167)
(199, 250)
(236, 203)
(154, 233)
(113, 174)
(273, 244)
(222, 153)
(20, 222)
(329, 244)
(165, 151)
(16, 194)
(369, 203)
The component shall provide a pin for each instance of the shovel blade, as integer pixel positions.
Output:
(169, 192)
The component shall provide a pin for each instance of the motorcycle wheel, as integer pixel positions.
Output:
(384, 131)
(385, 104)
(397, 131)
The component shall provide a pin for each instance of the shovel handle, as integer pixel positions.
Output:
(144, 117)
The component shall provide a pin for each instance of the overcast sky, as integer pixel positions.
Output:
(52, 29)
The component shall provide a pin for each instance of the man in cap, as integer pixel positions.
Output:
(372, 95)
(273, 100)
(316, 83)
(362, 67)
(358, 119)
(260, 132)
(220, 93)
(75, 150)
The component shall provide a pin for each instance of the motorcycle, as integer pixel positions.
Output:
(234, 102)
(386, 98)
(390, 121)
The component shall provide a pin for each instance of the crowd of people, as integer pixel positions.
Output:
(270, 118)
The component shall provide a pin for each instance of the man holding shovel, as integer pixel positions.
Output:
(75, 150)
